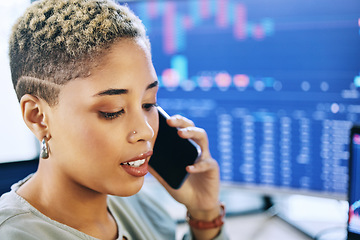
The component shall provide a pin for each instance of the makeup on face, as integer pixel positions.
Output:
(99, 113)
(138, 166)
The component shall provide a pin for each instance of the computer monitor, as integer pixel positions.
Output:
(274, 83)
(354, 190)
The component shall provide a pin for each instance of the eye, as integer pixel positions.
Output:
(112, 115)
(149, 106)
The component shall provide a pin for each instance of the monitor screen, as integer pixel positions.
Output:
(274, 83)
(354, 186)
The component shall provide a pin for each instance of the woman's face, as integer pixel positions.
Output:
(104, 127)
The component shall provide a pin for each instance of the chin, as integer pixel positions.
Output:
(128, 189)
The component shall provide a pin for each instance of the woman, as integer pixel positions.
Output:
(87, 88)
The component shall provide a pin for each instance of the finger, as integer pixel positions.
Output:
(198, 135)
(180, 122)
(202, 166)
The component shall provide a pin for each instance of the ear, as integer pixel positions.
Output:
(34, 112)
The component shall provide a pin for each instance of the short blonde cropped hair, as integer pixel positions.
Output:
(55, 41)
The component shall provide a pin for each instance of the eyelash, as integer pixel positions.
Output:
(149, 106)
(113, 115)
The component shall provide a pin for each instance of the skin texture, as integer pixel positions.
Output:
(91, 132)
(84, 163)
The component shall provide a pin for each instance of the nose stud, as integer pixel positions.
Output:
(134, 132)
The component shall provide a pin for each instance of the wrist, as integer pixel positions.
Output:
(206, 219)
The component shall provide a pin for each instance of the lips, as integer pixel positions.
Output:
(138, 166)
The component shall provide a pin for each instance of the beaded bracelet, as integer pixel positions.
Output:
(202, 225)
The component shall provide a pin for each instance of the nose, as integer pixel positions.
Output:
(140, 128)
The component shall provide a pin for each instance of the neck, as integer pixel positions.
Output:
(66, 201)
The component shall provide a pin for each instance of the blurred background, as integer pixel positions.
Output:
(274, 83)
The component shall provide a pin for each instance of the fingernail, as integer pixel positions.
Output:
(191, 167)
(184, 132)
(172, 119)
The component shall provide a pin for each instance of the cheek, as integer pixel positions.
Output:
(84, 139)
(101, 140)
(94, 137)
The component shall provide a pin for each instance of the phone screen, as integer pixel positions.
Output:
(171, 153)
(354, 186)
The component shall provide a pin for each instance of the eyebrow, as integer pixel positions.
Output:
(152, 85)
(116, 91)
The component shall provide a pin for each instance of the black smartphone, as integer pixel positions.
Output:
(171, 153)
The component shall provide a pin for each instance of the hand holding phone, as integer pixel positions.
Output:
(171, 153)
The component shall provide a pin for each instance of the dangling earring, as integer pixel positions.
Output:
(44, 153)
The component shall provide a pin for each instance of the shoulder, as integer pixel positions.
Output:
(10, 208)
(13, 216)
(20, 220)
(17, 221)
